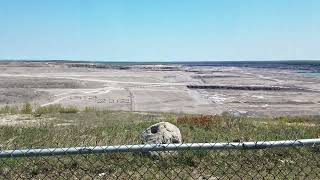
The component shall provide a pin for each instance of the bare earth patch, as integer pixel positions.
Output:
(161, 88)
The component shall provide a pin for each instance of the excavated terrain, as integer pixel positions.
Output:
(161, 88)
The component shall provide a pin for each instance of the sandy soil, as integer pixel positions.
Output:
(158, 88)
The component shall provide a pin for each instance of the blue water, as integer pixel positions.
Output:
(309, 68)
(311, 74)
(305, 67)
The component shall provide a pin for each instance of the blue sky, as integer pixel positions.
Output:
(160, 30)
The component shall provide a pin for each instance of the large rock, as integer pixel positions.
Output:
(161, 133)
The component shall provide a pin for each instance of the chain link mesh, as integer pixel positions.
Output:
(262, 160)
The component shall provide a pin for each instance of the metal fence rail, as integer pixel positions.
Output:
(156, 147)
(288, 159)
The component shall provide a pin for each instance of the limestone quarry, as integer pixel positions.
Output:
(161, 88)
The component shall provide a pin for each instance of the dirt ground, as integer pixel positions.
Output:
(159, 88)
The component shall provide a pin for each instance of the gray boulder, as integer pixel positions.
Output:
(161, 133)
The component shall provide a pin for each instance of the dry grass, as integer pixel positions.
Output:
(211, 121)
(91, 127)
(195, 120)
(27, 108)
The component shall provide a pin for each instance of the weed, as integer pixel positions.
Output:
(50, 109)
(5, 110)
(89, 109)
(287, 119)
(231, 121)
(27, 108)
(9, 109)
(69, 110)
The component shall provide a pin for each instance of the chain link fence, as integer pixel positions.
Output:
(291, 159)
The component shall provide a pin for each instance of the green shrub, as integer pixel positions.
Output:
(69, 110)
(26, 109)
(14, 110)
(89, 109)
(9, 110)
(287, 119)
(5, 110)
(51, 109)
(48, 109)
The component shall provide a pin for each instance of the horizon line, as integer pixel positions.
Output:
(157, 61)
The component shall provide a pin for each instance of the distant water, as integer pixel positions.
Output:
(306, 67)
(311, 74)
(309, 68)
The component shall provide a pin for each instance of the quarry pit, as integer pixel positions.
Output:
(175, 88)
